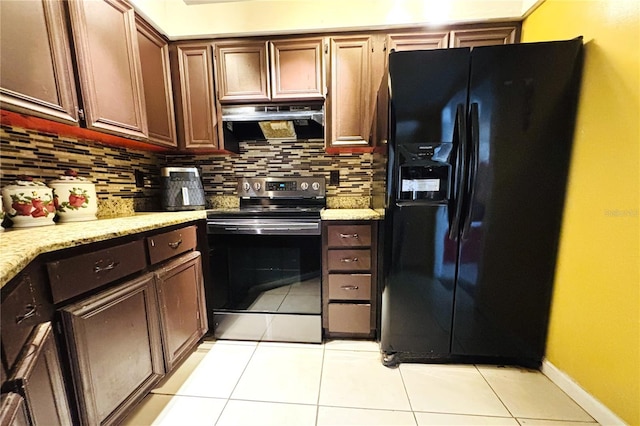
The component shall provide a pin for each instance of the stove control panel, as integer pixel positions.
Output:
(282, 187)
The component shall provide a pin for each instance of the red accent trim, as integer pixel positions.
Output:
(10, 118)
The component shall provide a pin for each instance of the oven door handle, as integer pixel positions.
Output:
(263, 228)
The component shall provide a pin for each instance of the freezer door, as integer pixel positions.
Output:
(417, 301)
(525, 95)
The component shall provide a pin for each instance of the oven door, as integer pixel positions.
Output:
(266, 281)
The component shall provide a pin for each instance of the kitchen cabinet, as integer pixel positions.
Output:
(297, 69)
(38, 378)
(349, 278)
(242, 72)
(400, 42)
(182, 306)
(277, 70)
(349, 106)
(158, 90)
(13, 411)
(196, 110)
(483, 36)
(108, 65)
(180, 288)
(36, 68)
(114, 344)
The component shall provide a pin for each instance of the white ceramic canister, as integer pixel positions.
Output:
(75, 196)
(28, 203)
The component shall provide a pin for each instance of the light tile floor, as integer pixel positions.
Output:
(343, 382)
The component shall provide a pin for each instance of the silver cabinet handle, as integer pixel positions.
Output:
(349, 259)
(349, 287)
(97, 268)
(354, 235)
(175, 244)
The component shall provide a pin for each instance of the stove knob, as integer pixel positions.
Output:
(257, 186)
(315, 186)
(246, 186)
(304, 186)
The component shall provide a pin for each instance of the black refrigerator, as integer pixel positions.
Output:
(478, 158)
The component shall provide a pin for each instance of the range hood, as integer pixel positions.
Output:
(274, 121)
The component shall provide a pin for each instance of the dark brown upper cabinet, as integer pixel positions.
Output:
(36, 68)
(108, 61)
(242, 71)
(483, 37)
(196, 111)
(401, 42)
(158, 91)
(349, 101)
(297, 69)
(261, 71)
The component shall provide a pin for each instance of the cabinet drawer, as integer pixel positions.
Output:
(76, 275)
(349, 235)
(349, 318)
(349, 260)
(349, 286)
(169, 244)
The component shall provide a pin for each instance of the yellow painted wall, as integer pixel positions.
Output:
(594, 333)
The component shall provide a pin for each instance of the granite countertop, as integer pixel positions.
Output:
(18, 247)
(351, 214)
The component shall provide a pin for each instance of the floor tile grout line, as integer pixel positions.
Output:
(406, 392)
(494, 391)
(324, 350)
(255, 348)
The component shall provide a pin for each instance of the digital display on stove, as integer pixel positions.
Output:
(281, 186)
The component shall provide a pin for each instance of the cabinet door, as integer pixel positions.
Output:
(196, 106)
(297, 69)
(158, 93)
(13, 411)
(113, 339)
(401, 42)
(104, 35)
(349, 98)
(182, 307)
(36, 69)
(38, 376)
(241, 71)
(483, 37)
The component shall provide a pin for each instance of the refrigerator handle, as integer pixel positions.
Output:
(474, 155)
(459, 137)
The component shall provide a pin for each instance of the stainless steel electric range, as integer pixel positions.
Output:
(265, 261)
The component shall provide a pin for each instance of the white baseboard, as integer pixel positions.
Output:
(600, 412)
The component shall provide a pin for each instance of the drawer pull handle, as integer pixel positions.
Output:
(349, 287)
(175, 244)
(349, 259)
(30, 312)
(354, 235)
(97, 268)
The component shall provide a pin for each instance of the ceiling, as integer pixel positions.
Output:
(188, 19)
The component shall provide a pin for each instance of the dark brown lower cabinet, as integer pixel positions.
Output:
(115, 351)
(13, 411)
(182, 306)
(38, 377)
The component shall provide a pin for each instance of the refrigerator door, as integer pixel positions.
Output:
(525, 95)
(428, 88)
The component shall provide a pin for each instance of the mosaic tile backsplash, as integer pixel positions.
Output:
(45, 156)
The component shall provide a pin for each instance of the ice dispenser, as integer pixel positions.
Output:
(425, 172)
